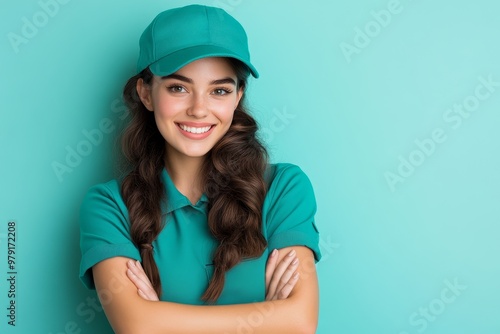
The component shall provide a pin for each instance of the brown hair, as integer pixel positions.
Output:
(233, 179)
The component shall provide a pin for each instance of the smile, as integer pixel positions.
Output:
(192, 129)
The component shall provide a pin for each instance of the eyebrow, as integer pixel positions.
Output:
(227, 80)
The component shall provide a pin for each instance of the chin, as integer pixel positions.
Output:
(196, 153)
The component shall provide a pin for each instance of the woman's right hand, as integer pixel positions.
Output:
(136, 274)
(281, 277)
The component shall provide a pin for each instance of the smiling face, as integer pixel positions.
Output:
(194, 106)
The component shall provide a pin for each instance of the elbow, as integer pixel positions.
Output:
(305, 322)
(310, 330)
(137, 326)
(308, 323)
(306, 319)
(308, 327)
(130, 330)
(130, 326)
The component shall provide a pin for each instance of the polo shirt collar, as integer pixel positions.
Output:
(174, 198)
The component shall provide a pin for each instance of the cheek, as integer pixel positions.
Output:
(225, 115)
(165, 107)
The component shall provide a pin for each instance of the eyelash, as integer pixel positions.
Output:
(173, 88)
(226, 91)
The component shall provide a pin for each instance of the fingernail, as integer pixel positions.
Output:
(292, 252)
(294, 262)
(273, 254)
(130, 262)
(137, 263)
(295, 275)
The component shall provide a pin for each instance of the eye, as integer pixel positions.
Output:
(222, 91)
(176, 89)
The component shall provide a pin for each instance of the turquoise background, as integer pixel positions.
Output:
(390, 253)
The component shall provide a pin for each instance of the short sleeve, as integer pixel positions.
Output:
(104, 229)
(290, 210)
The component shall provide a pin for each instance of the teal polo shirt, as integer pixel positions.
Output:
(183, 250)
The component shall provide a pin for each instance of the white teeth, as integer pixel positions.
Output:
(194, 130)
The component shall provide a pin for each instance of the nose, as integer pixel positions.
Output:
(198, 106)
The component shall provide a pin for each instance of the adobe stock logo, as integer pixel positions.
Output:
(227, 5)
(453, 117)
(363, 37)
(430, 313)
(279, 121)
(31, 26)
(91, 139)
(327, 247)
(91, 308)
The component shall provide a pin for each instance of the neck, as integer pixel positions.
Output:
(185, 174)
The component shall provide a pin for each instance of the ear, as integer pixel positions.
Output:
(144, 92)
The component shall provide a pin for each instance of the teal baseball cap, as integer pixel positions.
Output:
(179, 36)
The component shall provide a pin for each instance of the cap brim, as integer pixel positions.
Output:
(175, 61)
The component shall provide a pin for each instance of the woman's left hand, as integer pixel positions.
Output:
(282, 276)
(136, 274)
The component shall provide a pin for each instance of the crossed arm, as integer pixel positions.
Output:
(133, 312)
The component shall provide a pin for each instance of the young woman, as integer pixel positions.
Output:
(227, 241)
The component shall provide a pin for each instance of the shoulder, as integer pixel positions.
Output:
(285, 175)
(277, 171)
(289, 188)
(109, 190)
(102, 199)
